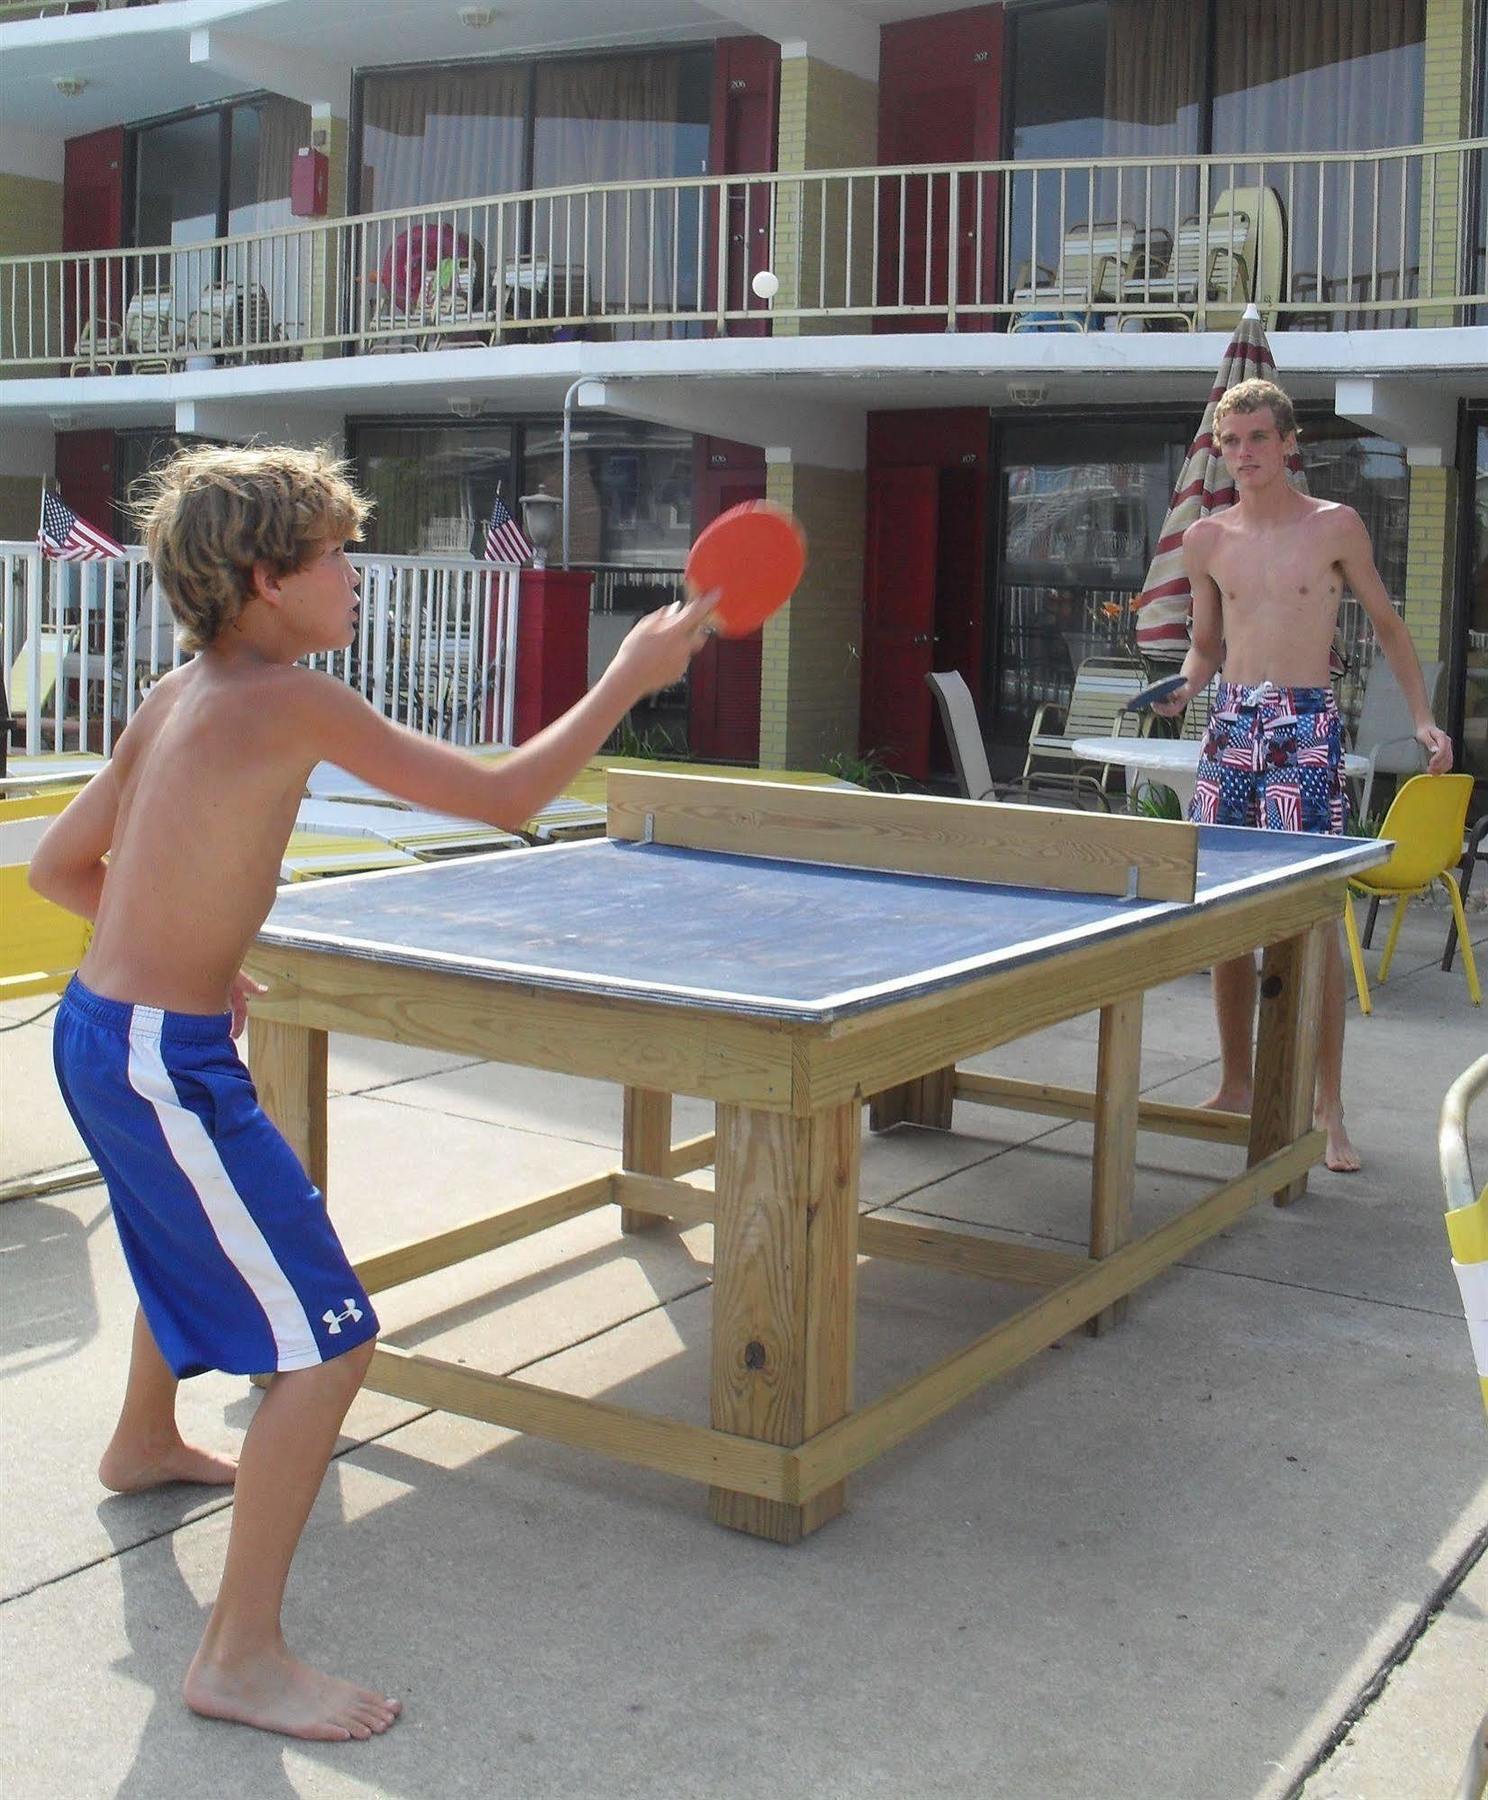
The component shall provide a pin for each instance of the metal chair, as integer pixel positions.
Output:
(963, 731)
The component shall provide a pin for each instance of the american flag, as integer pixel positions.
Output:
(505, 539)
(63, 534)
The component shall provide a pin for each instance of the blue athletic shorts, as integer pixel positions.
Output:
(1272, 757)
(226, 1237)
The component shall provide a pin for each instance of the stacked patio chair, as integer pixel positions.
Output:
(1235, 260)
(1096, 263)
(152, 339)
(99, 346)
(231, 316)
(1103, 685)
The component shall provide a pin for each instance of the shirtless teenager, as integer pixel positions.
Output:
(173, 850)
(1268, 576)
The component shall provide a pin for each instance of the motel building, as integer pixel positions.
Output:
(513, 248)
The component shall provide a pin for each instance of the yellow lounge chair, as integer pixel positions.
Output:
(41, 943)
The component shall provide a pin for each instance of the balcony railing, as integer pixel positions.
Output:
(435, 646)
(1319, 241)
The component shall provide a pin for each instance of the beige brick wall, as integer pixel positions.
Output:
(828, 120)
(30, 225)
(1446, 117)
(811, 672)
(1429, 558)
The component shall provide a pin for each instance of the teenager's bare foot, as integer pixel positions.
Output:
(131, 1468)
(277, 1692)
(1228, 1099)
(1340, 1155)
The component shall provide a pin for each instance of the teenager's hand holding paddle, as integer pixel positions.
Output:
(656, 651)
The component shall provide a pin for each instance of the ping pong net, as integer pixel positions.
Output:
(912, 834)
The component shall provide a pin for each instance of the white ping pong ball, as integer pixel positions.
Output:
(766, 284)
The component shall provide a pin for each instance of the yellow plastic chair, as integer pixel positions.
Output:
(40, 943)
(1425, 819)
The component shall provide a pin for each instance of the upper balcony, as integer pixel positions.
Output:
(1322, 242)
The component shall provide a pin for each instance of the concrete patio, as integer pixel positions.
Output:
(1229, 1549)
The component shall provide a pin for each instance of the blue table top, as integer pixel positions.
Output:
(790, 940)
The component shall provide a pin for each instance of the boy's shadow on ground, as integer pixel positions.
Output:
(50, 1310)
(163, 1622)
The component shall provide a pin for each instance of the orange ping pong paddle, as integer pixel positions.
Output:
(754, 556)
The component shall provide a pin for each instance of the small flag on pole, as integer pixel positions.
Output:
(505, 539)
(63, 534)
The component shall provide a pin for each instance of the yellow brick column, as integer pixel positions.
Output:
(1445, 119)
(31, 225)
(811, 671)
(331, 137)
(1429, 559)
(828, 120)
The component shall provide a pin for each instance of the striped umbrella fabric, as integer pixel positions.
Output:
(1165, 605)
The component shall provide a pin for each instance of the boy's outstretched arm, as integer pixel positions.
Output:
(1356, 559)
(343, 729)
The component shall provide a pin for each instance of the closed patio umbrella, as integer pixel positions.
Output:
(1165, 604)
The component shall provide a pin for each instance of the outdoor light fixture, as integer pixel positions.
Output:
(540, 521)
(1027, 393)
(63, 421)
(466, 406)
(477, 17)
(69, 85)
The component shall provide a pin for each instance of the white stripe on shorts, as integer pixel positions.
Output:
(243, 1244)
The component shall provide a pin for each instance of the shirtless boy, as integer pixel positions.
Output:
(1268, 576)
(173, 851)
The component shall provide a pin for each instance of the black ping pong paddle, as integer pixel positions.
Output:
(1157, 690)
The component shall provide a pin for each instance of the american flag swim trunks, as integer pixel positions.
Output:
(1272, 757)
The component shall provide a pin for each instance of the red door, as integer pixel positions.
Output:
(940, 101)
(899, 571)
(746, 102)
(723, 690)
(93, 219)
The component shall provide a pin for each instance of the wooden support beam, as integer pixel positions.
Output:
(422, 1256)
(1286, 1046)
(897, 1240)
(1159, 1116)
(646, 1146)
(924, 1101)
(919, 834)
(784, 1295)
(288, 1066)
(746, 1467)
(834, 1453)
(1113, 1174)
(693, 1153)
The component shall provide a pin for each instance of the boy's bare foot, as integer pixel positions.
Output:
(277, 1692)
(131, 1468)
(1228, 1099)
(1340, 1155)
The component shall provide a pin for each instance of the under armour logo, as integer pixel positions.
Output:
(333, 1319)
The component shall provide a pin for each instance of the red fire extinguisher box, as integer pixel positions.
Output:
(309, 184)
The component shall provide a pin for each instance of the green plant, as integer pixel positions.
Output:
(655, 742)
(867, 771)
(1152, 800)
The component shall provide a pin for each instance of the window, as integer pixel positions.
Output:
(1475, 695)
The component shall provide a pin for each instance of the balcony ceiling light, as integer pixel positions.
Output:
(479, 17)
(70, 85)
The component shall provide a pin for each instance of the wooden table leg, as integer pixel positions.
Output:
(784, 1294)
(646, 1147)
(288, 1065)
(1286, 1047)
(924, 1101)
(1118, 1080)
